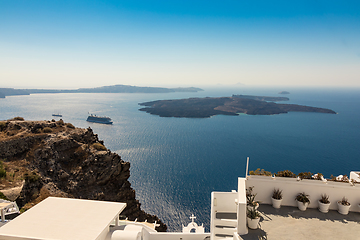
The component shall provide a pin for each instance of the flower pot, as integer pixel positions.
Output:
(276, 202)
(324, 207)
(253, 223)
(343, 209)
(302, 206)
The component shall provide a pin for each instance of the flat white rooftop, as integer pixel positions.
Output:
(291, 223)
(63, 219)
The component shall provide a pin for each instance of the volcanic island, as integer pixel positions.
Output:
(211, 106)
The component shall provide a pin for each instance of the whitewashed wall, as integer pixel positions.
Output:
(264, 187)
(178, 236)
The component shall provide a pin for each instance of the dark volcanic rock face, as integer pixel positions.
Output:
(69, 162)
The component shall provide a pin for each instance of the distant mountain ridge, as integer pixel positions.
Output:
(12, 91)
(104, 89)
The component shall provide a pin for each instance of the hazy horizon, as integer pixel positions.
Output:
(82, 44)
(236, 87)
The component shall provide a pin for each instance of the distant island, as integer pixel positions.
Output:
(262, 98)
(207, 107)
(284, 92)
(105, 89)
(11, 92)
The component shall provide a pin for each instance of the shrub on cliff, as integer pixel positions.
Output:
(32, 177)
(99, 147)
(2, 126)
(47, 130)
(2, 196)
(69, 125)
(60, 122)
(2, 170)
(17, 119)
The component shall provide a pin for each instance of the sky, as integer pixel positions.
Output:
(86, 43)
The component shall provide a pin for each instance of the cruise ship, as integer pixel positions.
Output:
(98, 119)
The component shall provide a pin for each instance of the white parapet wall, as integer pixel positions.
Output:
(265, 185)
(224, 202)
(177, 236)
(241, 209)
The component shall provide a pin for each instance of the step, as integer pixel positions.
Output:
(225, 231)
(225, 222)
(223, 238)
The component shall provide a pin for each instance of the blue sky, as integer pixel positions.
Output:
(71, 44)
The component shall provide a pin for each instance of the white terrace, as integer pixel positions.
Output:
(63, 219)
(228, 209)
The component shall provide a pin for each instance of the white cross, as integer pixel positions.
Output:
(192, 217)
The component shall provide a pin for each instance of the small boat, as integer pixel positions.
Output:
(98, 119)
(56, 115)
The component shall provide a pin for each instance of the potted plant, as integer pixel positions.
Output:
(343, 206)
(253, 218)
(324, 203)
(303, 201)
(250, 199)
(276, 198)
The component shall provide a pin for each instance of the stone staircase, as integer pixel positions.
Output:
(225, 226)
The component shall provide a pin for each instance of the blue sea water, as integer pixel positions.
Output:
(177, 162)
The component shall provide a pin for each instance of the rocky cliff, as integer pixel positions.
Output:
(53, 158)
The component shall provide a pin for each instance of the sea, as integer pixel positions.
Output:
(177, 162)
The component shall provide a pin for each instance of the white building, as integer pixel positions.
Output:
(67, 219)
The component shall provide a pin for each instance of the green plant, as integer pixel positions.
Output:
(277, 194)
(262, 237)
(2, 170)
(261, 172)
(31, 178)
(344, 201)
(99, 147)
(302, 197)
(249, 191)
(250, 197)
(253, 213)
(2, 196)
(305, 175)
(285, 173)
(324, 199)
